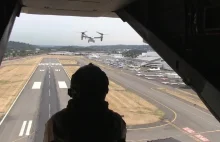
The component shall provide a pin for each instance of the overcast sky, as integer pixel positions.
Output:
(64, 30)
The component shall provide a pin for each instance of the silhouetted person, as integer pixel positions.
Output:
(87, 117)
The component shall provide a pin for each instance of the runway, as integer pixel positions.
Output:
(46, 93)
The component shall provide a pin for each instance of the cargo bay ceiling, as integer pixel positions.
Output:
(89, 8)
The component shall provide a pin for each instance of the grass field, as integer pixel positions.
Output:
(68, 62)
(13, 76)
(192, 98)
(134, 109)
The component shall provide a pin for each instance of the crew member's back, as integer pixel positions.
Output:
(87, 117)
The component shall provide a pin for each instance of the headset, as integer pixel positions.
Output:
(74, 92)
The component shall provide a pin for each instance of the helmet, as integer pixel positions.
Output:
(89, 82)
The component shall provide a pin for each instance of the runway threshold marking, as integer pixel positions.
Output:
(21, 133)
(29, 127)
(36, 85)
(22, 128)
(62, 84)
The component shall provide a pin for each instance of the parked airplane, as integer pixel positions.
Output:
(154, 69)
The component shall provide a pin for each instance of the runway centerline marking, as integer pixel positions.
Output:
(49, 76)
(22, 128)
(49, 82)
(36, 85)
(29, 127)
(49, 111)
(62, 84)
(49, 92)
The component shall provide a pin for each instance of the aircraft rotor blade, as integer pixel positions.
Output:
(83, 32)
(101, 33)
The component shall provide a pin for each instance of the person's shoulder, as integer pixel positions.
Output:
(117, 116)
(120, 124)
(60, 119)
(59, 115)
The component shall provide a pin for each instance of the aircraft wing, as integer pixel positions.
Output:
(89, 37)
(97, 37)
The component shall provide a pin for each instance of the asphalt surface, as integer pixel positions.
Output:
(26, 120)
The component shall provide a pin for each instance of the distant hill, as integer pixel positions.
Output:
(21, 46)
(16, 49)
(109, 48)
(75, 48)
(114, 47)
